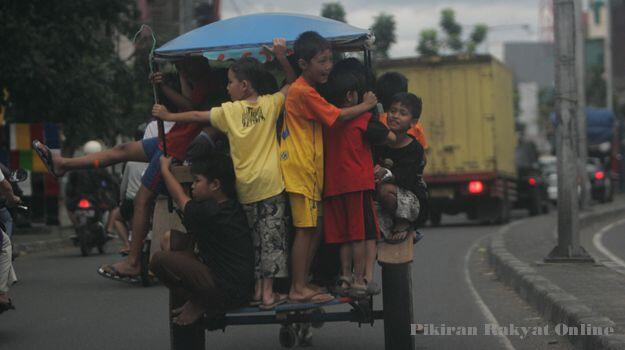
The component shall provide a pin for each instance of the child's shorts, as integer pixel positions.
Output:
(268, 220)
(350, 217)
(408, 208)
(152, 178)
(305, 211)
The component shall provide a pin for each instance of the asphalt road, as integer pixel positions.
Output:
(63, 304)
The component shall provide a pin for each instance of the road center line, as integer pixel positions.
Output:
(476, 296)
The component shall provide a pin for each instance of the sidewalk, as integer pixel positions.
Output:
(575, 294)
(40, 237)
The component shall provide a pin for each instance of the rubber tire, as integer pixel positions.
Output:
(287, 336)
(535, 207)
(85, 249)
(318, 325)
(435, 218)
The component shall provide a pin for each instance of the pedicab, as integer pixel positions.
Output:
(245, 36)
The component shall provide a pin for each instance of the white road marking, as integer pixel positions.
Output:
(478, 299)
(597, 240)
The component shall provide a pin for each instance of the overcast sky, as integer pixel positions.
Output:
(411, 16)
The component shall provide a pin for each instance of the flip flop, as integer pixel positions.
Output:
(277, 300)
(45, 155)
(357, 291)
(256, 302)
(311, 299)
(390, 240)
(115, 275)
(339, 289)
(372, 288)
(7, 306)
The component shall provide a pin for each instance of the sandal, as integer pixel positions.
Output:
(45, 155)
(392, 240)
(357, 291)
(7, 306)
(277, 300)
(317, 298)
(110, 272)
(339, 289)
(372, 288)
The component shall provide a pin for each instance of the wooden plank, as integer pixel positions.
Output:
(162, 222)
(395, 253)
(182, 173)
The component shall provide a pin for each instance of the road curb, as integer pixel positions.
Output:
(42, 246)
(55, 237)
(554, 303)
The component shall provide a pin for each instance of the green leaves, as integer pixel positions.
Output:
(333, 10)
(431, 45)
(384, 30)
(59, 64)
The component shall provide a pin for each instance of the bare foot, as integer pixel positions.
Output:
(309, 295)
(124, 269)
(317, 288)
(190, 312)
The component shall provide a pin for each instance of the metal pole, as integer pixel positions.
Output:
(582, 145)
(609, 84)
(568, 248)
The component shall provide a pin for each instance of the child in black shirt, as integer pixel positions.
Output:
(399, 168)
(221, 276)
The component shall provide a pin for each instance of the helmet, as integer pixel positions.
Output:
(92, 147)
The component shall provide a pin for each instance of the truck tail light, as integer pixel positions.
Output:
(532, 181)
(476, 187)
(599, 175)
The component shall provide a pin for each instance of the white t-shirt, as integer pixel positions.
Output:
(152, 129)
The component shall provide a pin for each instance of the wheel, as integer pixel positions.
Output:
(435, 218)
(318, 311)
(535, 207)
(288, 336)
(503, 211)
(85, 249)
(304, 334)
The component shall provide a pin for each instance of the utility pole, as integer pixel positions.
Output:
(609, 88)
(582, 144)
(568, 248)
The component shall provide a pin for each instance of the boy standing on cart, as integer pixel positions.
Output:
(301, 156)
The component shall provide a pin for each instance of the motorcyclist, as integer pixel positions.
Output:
(7, 275)
(96, 184)
(6, 220)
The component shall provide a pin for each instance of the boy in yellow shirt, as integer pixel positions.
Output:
(249, 122)
(301, 155)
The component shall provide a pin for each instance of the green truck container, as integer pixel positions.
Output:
(468, 120)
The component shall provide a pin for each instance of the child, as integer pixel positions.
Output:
(147, 150)
(220, 277)
(349, 211)
(250, 125)
(301, 155)
(399, 169)
(387, 86)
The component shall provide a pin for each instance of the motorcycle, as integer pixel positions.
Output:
(14, 177)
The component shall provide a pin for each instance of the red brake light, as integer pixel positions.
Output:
(599, 175)
(532, 181)
(84, 204)
(476, 187)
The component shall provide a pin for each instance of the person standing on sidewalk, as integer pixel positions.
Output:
(7, 274)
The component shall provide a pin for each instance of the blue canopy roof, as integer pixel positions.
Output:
(245, 36)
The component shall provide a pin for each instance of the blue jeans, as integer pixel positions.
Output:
(7, 221)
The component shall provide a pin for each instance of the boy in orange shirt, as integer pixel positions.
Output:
(301, 155)
(387, 86)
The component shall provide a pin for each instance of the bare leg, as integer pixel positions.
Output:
(189, 313)
(358, 251)
(258, 290)
(387, 196)
(140, 220)
(299, 263)
(371, 252)
(166, 241)
(346, 260)
(130, 151)
(312, 250)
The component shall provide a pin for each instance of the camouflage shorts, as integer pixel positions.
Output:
(407, 208)
(268, 221)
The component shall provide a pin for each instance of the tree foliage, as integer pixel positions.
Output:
(59, 64)
(384, 30)
(333, 10)
(431, 45)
